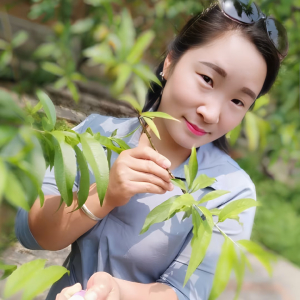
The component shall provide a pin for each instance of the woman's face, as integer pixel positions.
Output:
(211, 88)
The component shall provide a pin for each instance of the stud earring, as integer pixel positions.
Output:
(162, 75)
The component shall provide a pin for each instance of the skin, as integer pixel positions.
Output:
(194, 92)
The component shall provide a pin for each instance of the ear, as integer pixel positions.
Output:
(167, 64)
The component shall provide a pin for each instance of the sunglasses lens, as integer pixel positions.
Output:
(278, 35)
(244, 11)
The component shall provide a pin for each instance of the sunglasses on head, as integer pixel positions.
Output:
(247, 12)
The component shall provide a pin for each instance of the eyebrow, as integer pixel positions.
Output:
(223, 73)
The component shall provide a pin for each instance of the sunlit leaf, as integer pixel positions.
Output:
(152, 126)
(236, 207)
(19, 39)
(64, 166)
(179, 183)
(234, 134)
(106, 142)
(202, 233)
(141, 44)
(20, 277)
(193, 166)
(215, 211)
(239, 266)
(95, 156)
(84, 183)
(187, 175)
(145, 73)
(121, 143)
(252, 131)
(158, 114)
(74, 91)
(82, 26)
(201, 182)
(223, 270)
(131, 100)
(53, 68)
(48, 107)
(127, 31)
(180, 202)
(124, 72)
(266, 258)
(44, 50)
(213, 195)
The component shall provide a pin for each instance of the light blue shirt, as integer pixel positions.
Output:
(162, 254)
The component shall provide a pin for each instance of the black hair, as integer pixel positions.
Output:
(200, 30)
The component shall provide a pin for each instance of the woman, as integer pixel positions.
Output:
(212, 74)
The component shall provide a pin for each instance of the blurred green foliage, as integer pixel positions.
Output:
(123, 38)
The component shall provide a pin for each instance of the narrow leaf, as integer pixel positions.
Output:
(179, 183)
(202, 233)
(64, 166)
(53, 68)
(84, 183)
(107, 143)
(121, 143)
(201, 182)
(158, 114)
(145, 73)
(48, 107)
(152, 126)
(8, 270)
(159, 214)
(223, 270)
(184, 200)
(37, 107)
(236, 207)
(187, 175)
(213, 195)
(252, 131)
(108, 154)
(215, 211)
(19, 39)
(239, 267)
(95, 156)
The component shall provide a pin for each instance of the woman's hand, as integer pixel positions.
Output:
(137, 170)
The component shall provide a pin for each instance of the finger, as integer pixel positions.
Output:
(70, 291)
(99, 286)
(146, 187)
(148, 166)
(150, 178)
(150, 154)
(61, 297)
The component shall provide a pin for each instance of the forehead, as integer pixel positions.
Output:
(234, 53)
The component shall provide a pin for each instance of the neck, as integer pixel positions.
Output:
(167, 147)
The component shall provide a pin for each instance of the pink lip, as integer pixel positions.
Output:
(195, 129)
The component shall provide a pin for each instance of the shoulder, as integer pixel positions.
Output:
(106, 124)
(229, 175)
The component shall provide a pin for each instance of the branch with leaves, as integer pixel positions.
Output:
(25, 152)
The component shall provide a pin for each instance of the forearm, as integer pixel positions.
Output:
(55, 228)
(140, 291)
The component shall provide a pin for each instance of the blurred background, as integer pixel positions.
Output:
(90, 54)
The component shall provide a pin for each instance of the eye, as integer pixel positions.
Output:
(238, 102)
(207, 79)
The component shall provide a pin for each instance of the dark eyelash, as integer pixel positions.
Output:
(203, 76)
(239, 101)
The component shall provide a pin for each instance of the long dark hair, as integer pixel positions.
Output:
(200, 30)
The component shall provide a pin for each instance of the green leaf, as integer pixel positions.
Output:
(84, 184)
(73, 90)
(213, 195)
(20, 277)
(3, 173)
(252, 131)
(179, 183)
(42, 280)
(223, 270)
(141, 44)
(19, 39)
(37, 107)
(95, 156)
(82, 26)
(108, 154)
(266, 258)
(236, 207)
(114, 133)
(44, 50)
(185, 200)
(127, 31)
(53, 68)
(193, 166)
(105, 141)
(121, 143)
(187, 175)
(202, 233)
(152, 126)
(146, 74)
(239, 266)
(131, 100)
(215, 211)
(130, 133)
(159, 214)
(201, 182)
(8, 270)
(14, 192)
(48, 107)
(64, 166)
(124, 71)
(158, 114)
(234, 134)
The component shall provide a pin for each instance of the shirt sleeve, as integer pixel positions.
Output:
(49, 187)
(200, 283)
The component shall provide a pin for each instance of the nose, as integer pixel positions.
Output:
(210, 112)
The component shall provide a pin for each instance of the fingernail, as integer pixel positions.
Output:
(90, 296)
(166, 163)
